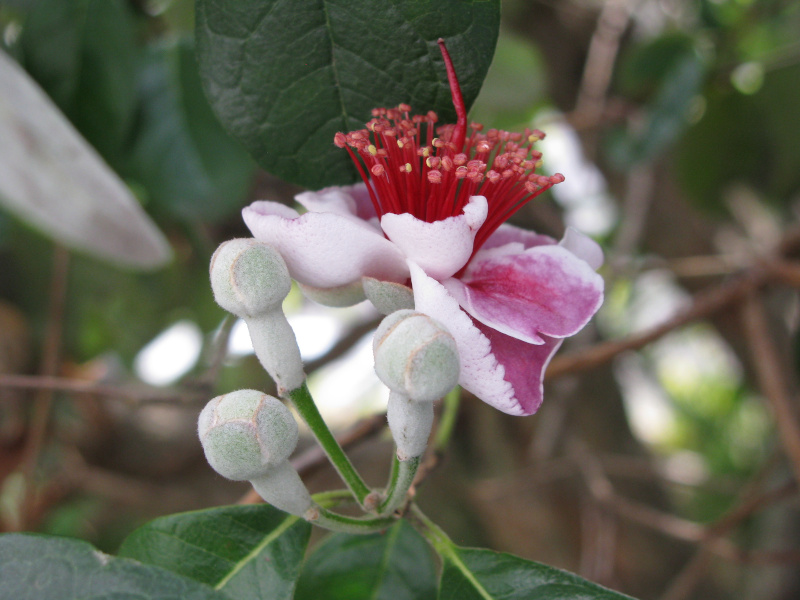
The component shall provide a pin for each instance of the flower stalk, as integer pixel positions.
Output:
(403, 474)
(304, 403)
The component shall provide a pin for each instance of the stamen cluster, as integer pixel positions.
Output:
(421, 169)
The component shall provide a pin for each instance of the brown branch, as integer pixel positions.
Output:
(771, 378)
(600, 58)
(705, 303)
(342, 346)
(50, 361)
(134, 394)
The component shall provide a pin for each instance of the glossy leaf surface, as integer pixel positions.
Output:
(395, 565)
(285, 75)
(36, 567)
(477, 574)
(249, 552)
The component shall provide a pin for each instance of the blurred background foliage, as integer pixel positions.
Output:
(675, 123)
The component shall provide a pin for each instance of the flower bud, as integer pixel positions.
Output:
(245, 433)
(387, 296)
(416, 356)
(249, 278)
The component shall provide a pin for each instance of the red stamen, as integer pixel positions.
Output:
(433, 178)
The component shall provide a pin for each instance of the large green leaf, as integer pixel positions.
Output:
(477, 574)
(285, 75)
(395, 565)
(251, 552)
(36, 567)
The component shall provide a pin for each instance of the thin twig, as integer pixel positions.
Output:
(705, 303)
(51, 351)
(342, 346)
(771, 378)
(131, 394)
(600, 58)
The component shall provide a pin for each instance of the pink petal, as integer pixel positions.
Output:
(580, 245)
(364, 207)
(344, 200)
(583, 247)
(524, 365)
(506, 234)
(481, 373)
(441, 248)
(543, 290)
(326, 250)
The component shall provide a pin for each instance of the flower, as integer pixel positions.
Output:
(433, 212)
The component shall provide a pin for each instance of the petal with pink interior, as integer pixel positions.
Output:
(326, 250)
(543, 290)
(506, 234)
(481, 373)
(524, 365)
(344, 200)
(583, 247)
(441, 248)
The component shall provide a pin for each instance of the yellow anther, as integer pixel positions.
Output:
(533, 138)
(372, 149)
(538, 164)
(400, 143)
(407, 167)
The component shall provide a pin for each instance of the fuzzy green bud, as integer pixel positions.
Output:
(249, 278)
(416, 356)
(246, 433)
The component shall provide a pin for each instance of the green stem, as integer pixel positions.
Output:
(403, 473)
(332, 498)
(432, 532)
(447, 422)
(304, 403)
(343, 524)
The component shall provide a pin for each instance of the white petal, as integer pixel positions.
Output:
(326, 250)
(441, 248)
(481, 374)
(583, 247)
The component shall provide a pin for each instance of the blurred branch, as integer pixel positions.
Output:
(710, 537)
(770, 269)
(772, 380)
(134, 395)
(705, 303)
(51, 351)
(599, 66)
(343, 345)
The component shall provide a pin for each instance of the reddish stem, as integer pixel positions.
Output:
(460, 131)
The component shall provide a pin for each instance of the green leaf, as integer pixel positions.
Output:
(395, 565)
(36, 567)
(285, 75)
(251, 552)
(477, 574)
(188, 164)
